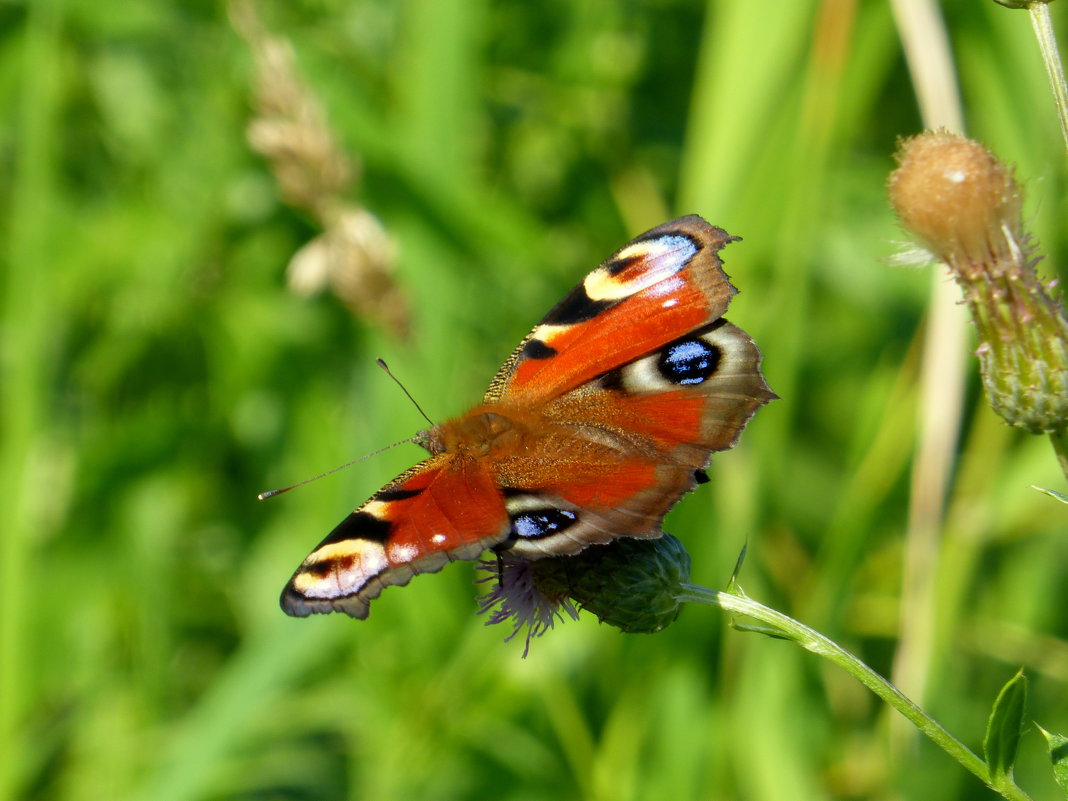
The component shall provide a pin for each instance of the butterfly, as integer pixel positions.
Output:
(599, 422)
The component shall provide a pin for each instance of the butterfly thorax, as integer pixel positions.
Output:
(477, 433)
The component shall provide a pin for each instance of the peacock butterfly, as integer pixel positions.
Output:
(598, 423)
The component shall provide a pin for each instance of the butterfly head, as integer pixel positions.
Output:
(431, 440)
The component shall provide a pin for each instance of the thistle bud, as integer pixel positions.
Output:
(965, 207)
(630, 584)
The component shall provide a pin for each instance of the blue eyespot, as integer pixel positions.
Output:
(542, 522)
(690, 361)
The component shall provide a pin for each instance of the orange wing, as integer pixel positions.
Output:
(639, 379)
(663, 284)
(444, 509)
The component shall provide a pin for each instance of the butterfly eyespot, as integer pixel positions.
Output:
(542, 522)
(688, 362)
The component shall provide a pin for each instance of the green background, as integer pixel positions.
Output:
(157, 374)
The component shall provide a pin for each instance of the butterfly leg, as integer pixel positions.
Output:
(498, 551)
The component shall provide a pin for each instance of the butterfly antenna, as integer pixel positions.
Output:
(271, 493)
(404, 389)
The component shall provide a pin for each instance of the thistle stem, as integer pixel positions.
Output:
(1047, 44)
(1059, 438)
(811, 640)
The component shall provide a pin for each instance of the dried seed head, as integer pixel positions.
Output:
(290, 128)
(354, 256)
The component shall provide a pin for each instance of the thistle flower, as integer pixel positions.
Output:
(965, 207)
(630, 584)
(520, 598)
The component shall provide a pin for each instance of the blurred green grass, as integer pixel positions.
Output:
(157, 374)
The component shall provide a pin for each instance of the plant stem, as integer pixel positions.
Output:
(27, 352)
(1047, 44)
(818, 644)
(1059, 438)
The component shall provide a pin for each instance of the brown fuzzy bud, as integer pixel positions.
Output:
(959, 200)
(964, 205)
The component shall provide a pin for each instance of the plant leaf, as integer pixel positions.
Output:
(767, 631)
(732, 585)
(1060, 496)
(1058, 755)
(1004, 728)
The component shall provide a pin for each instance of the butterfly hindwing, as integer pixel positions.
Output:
(693, 395)
(626, 446)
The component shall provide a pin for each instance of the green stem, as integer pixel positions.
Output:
(1047, 44)
(818, 644)
(1059, 438)
(27, 355)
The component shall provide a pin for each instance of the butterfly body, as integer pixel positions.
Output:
(603, 417)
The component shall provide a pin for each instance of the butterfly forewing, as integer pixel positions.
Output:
(663, 284)
(444, 509)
